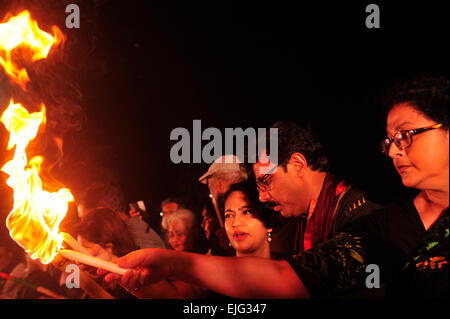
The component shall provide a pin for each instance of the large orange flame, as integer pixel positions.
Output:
(20, 31)
(36, 215)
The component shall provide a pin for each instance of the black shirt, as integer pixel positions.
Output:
(390, 238)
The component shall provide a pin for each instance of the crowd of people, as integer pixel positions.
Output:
(292, 223)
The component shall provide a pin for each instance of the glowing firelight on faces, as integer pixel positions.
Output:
(22, 31)
(36, 215)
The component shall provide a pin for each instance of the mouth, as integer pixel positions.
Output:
(277, 208)
(272, 205)
(402, 168)
(239, 236)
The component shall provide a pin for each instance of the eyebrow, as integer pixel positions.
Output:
(268, 174)
(240, 208)
(399, 127)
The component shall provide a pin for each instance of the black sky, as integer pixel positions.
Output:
(146, 67)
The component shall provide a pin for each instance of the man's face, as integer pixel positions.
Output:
(281, 190)
(218, 186)
(169, 208)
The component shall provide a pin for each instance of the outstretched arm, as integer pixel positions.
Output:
(238, 277)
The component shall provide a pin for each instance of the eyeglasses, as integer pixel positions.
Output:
(264, 183)
(403, 139)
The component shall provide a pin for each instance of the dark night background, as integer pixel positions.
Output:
(144, 68)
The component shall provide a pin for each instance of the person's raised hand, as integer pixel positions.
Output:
(134, 212)
(145, 266)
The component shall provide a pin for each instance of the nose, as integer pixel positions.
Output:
(394, 151)
(236, 221)
(263, 196)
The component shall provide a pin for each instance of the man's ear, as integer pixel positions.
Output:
(299, 163)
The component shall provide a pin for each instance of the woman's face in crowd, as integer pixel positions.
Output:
(424, 164)
(178, 238)
(104, 252)
(247, 234)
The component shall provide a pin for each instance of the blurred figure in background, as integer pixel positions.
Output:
(32, 271)
(10, 256)
(106, 236)
(168, 206)
(182, 233)
(104, 227)
(108, 196)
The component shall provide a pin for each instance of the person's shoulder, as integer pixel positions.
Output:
(400, 206)
(353, 204)
(354, 198)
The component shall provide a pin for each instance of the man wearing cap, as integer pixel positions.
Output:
(222, 173)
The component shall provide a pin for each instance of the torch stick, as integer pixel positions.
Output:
(216, 208)
(92, 261)
(72, 242)
(81, 254)
(30, 285)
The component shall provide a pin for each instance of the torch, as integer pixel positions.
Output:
(216, 208)
(36, 215)
(81, 255)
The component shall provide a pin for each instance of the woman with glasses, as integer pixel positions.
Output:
(418, 144)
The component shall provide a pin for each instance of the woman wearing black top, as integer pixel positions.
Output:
(418, 144)
(408, 242)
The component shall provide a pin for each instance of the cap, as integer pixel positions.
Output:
(225, 164)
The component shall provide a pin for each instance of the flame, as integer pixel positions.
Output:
(36, 215)
(20, 31)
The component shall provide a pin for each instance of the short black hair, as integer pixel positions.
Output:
(293, 138)
(175, 200)
(428, 94)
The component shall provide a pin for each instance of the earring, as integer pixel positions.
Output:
(269, 238)
(229, 244)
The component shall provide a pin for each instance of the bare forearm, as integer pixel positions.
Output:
(166, 289)
(238, 277)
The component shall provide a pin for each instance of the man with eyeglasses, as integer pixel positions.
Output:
(301, 187)
(407, 243)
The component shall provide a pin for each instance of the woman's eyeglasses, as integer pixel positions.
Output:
(403, 139)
